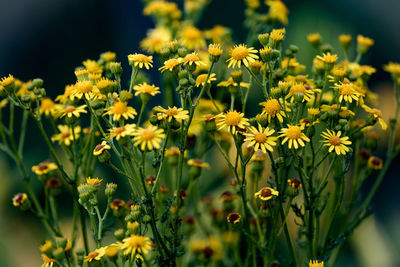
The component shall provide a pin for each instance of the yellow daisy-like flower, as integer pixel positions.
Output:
(66, 136)
(69, 89)
(191, 38)
(19, 199)
(47, 262)
(266, 193)
(328, 58)
(192, 58)
(94, 181)
(140, 60)
(156, 39)
(347, 92)
(6, 81)
(277, 11)
(103, 84)
(92, 66)
(100, 148)
(233, 218)
(145, 88)
(179, 114)
(294, 135)
(95, 255)
(215, 50)
(277, 34)
(365, 41)
(48, 107)
(241, 54)
(170, 64)
(201, 79)
(198, 163)
(82, 89)
(123, 131)
(230, 82)
(335, 142)
(148, 138)
(313, 112)
(136, 245)
(260, 138)
(71, 111)
(46, 246)
(393, 68)
(300, 88)
(44, 167)
(375, 163)
(231, 120)
(377, 114)
(273, 109)
(120, 110)
(108, 56)
(316, 263)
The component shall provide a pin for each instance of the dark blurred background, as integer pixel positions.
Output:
(49, 38)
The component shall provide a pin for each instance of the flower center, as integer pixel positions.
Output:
(272, 107)
(84, 87)
(334, 140)
(192, 57)
(266, 192)
(141, 58)
(98, 147)
(119, 108)
(171, 112)
(260, 138)
(346, 89)
(239, 53)
(65, 135)
(293, 132)
(298, 88)
(70, 109)
(93, 254)
(232, 118)
(171, 63)
(47, 104)
(119, 130)
(147, 135)
(147, 89)
(42, 166)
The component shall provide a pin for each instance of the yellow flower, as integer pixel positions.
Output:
(95, 255)
(230, 82)
(136, 245)
(47, 262)
(145, 88)
(393, 68)
(277, 11)
(6, 81)
(365, 41)
(233, 218)
(253, 4)
(316, 263)
(140, 60)
(83, 89)
(179, 114)
(69, 89)
(192, 58)
(294, 135)
(231, 120)
(104, 84)
(201, 79)
(377, 114)
(94, 181)
(92, 66)
(191, 38)
(375, 163)
(148, 138)
(260, 138)
(335, 142)
(215, 50)
(170, 64)
(277, 35)
(66, 136)
(266, 193)
(314, 38)
(198, 163)
(273, 109)
(44, 167)
(71, 111)
(217, 34)
(328, 58)
(99, 149)
(347, 92)
(19, 199)
(156, 39)
(108, 56)
(172, 151)
(313, 112)
(123, 131)
(241, 54)
(120, 109)
(300, 88)
(46, 246)
(48, 107)
(345, 39)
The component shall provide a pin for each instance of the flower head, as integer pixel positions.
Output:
(266, 193)
(376, 114)
(231, 120)
(156, 39)
(233, 218)
(198, 163)
(82, 89)
(300, 88)
(72, 111)
(145, 88)
(328, 58)
(260, 138)
(170, 64)
(47, 261)
(335, 142)
(191, 38)
(148, 138)
(120, 110)
(6, 81)
(136, 245)
(272, 109)
(347, 92)
(192, 58)
(201, 79)
(19, 199)
(66, 136)
(179, 114)
(294, 135)
(44, 168)
(241, 54)
(215, 50)
(94, 181)
(123, 131)
(95, 255)
(140, 61)
(375, 163)
(316, 263)
(48, 107)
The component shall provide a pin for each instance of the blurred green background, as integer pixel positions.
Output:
(49, 38)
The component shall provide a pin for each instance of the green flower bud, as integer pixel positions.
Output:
(59, 254)
(119, 234)
(110, 189)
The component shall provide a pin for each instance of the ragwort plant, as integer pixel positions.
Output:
(297, 165)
